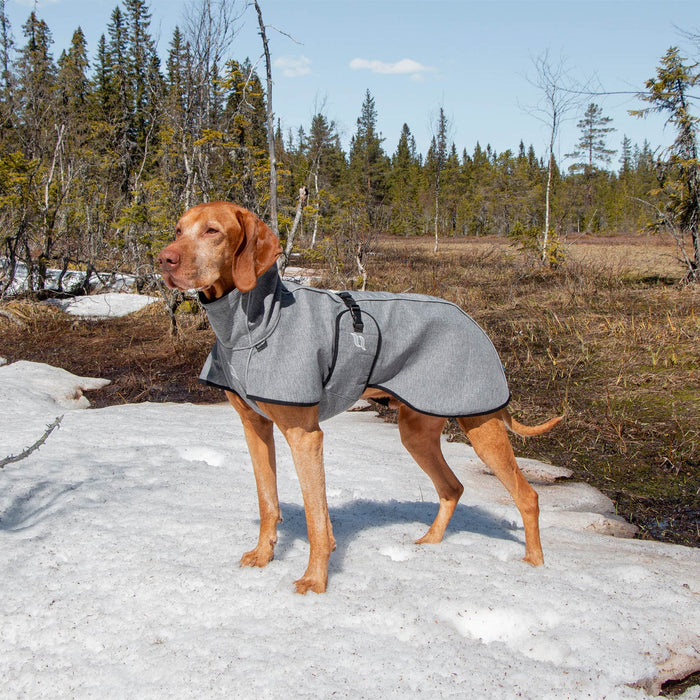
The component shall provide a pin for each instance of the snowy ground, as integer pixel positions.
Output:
(106, 305)
(112, 283)
(118, 282)
(120, 537)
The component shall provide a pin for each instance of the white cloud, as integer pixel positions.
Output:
(293, 66)
(406, 66)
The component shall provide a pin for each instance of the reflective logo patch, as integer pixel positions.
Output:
(359, 341)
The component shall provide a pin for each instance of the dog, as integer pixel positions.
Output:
(421, 353)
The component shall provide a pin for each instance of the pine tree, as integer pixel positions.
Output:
(244, 135)
(177, 127)
(41, 136)
(591, 149)
(679, 174)
(73, 114)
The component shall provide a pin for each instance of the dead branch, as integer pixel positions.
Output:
(32, 448)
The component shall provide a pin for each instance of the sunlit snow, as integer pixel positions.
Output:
(119, 547)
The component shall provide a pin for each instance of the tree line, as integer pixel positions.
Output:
(99, 156)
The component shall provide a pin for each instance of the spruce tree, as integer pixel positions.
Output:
(119, 99)
(438, 148)
(368, 163)
(626, 156)
(326, 168)
(72, 81)
(404, 185)
(36, 79)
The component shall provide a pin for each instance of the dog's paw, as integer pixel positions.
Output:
(310, 583)
(535, 559)
(430, 538)
(260, 556)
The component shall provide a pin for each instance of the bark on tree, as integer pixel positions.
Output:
(270, 126)
(557, 100)
(283, 259)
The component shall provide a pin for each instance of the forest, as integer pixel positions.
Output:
(101, 151)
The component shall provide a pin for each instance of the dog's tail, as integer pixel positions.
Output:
(528, 430)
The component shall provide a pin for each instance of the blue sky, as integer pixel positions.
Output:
(471, 57)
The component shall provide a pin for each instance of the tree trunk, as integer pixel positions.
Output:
(548, 193)
(283, 259)
(270, 126)
(437, 204)
(359, 260)
(317, 214)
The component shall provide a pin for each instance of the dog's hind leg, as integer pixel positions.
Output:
(420, 435)
(489, 439)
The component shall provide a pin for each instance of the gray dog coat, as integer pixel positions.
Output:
(284, 343)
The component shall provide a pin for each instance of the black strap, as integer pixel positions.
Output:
(357, 324)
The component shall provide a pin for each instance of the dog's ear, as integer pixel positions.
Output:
(257, 251)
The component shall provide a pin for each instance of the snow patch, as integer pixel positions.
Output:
(119, 546)
(193, 453)
(64, 388)
(97, 306)
(396, 553)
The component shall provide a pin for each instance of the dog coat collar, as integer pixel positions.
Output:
(285, 343)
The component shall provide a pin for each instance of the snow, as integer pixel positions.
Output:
(115, 281)
(110, 304)
(119, 547)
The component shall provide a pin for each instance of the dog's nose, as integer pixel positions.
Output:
(169, 259)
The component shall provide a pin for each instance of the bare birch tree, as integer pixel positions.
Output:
(270, 124)
(209, 31)
(556, 101)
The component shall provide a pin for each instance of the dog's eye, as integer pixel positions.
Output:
(210, 231)
(178, 232)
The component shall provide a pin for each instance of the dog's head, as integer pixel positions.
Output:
(218, 246)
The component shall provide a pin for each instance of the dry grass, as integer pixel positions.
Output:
(135, 352)
(606, 339)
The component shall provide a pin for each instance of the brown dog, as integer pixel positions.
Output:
(220, 247)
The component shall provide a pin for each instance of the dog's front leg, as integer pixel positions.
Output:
(261, 445)
(300, 427)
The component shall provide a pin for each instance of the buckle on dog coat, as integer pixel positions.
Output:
(357, 324)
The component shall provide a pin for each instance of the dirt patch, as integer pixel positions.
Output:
(136, 353)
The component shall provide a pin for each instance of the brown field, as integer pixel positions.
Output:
(610, 339)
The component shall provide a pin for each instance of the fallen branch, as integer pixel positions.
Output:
(32, 448)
